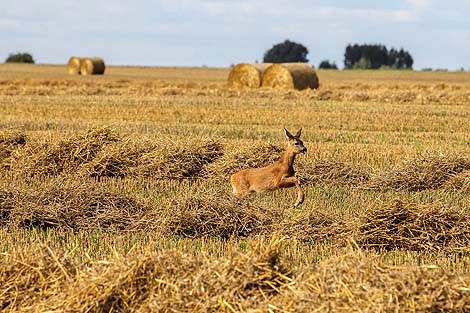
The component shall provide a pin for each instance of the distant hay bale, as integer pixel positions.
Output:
(247, 74)
(289, 76)
(92, 66)
(73, 66)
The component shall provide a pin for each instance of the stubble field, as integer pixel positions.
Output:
(115, 197)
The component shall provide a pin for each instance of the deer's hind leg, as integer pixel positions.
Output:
(240, 188)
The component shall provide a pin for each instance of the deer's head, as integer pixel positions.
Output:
(294, 142)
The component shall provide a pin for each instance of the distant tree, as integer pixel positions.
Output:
(287, 51)
(327, 65)
(19, 58)
(363, 64)
(376, 56)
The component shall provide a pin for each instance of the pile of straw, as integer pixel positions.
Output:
(459, 182)
(247, 75)
(290, 76)
(425, 171)
(217, 215)
(414, 227)
(318, 171)
(354, 282)
(118, 160)
(173, 281)
(30, 276)
(92, 66)
(10, 140)
(70, 204)
(73, 66)
(179, 160)
(314, 226)
(258, 279)
(248, 155)
(160, 159)
(65, 155)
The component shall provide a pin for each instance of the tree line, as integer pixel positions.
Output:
(356, 56)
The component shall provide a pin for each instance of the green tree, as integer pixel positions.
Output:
(376, 56)
(20, 58)
(363, 64)
(287, 51)
(327, 65)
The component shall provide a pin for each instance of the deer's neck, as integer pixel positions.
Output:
(287, 159)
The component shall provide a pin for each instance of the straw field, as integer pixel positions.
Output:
(115, 197)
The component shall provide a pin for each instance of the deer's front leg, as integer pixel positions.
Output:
(293, 181)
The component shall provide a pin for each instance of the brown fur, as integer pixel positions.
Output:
(278, 175)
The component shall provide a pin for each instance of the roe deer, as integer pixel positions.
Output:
(280, 174)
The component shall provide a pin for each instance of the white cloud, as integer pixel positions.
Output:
(366, 14)
(421, 4)
(9, 24)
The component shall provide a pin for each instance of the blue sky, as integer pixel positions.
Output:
(219, 33)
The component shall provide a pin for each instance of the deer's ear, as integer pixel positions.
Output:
(288, 134)
(299, 132)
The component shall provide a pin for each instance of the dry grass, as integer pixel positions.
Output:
(414, 227)
(258, 279)
(459, 181)
(355, 283)
(426, 171)
(218, 215)
(321, 171)
(10, 140)
(69, 204)
(159, 159)
(138, 216)
(52, 158)
(246, 155)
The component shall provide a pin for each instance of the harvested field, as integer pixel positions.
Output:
(260, 279)
(114, 192)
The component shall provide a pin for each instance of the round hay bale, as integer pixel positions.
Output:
(73, 66)
(247, 74)
(92, 66)
(290, 75)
